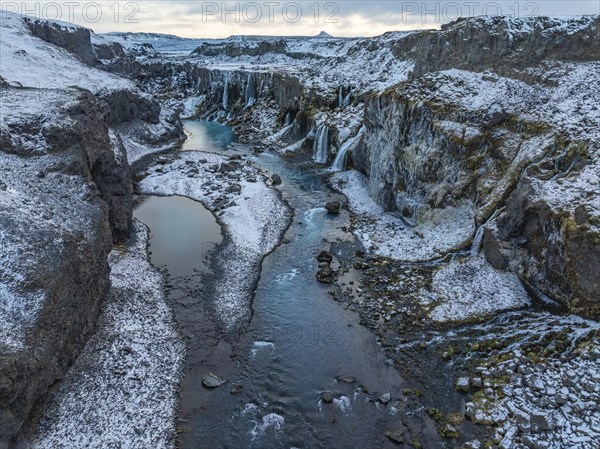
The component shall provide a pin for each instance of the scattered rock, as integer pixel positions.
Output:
(385, 398)
(345, 379)
(325, 256)
(327, 397)
(450, 431)
(211, 380)
(326, 275)
(236, 388)
(462, 384)
(234, 188)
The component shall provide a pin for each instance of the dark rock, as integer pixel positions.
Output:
(333, 207)
(236, 388)
(87, 192)
(226, 167)
(326, 275)
(325, 256)
(234, 188)
(345, 379)
(77, 41)
(327, 397)
(275, 179)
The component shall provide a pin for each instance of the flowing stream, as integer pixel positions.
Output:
(298, 339)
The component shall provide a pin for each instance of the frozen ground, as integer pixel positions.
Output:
(123, 389)
(388, 235)
(31, 62)
(471, 289)
(253, 215)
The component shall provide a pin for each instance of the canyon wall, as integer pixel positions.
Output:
(65, 196)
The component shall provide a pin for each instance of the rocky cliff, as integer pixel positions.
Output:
(65, 197)
(65, 194)
(478, 119)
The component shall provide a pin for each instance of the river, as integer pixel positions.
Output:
(298, 339)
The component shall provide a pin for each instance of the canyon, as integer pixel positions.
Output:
(464, 260)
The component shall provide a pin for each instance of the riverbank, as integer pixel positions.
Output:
(124, 386)
(252, 214)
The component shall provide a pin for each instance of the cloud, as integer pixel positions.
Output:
(194, 18)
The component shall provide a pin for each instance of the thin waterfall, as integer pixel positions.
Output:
(476, 246)
(226, 91)
(321, 145)
(346, 102)
(339, 164)
(288, 119)
(250, 94)
(341, 97)
(478, 240)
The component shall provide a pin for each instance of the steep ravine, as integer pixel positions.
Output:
(498, 147)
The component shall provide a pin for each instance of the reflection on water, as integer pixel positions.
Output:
(207, 136)
(182, 232)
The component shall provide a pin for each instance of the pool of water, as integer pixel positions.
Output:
(297, 342)
(207, 136)
(182, 235)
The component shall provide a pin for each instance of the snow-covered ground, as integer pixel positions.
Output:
(386, 234)
(31, 62)
(470, 290)
(123, 389)
(253, 215)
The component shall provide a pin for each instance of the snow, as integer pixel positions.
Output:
(471, 289)
(386, 234)
(124, 385)
(253, 219)
(31, 62)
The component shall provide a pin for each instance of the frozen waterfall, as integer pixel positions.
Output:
(226, 91)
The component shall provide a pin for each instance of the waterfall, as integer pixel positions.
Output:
(478, 240)
(341, 97)
(250, 94)
(226, 91)
(340, 160)
(346, 102)
(321, 146)
(288, 119)
(476, 246)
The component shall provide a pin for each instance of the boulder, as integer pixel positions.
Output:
(333, 207)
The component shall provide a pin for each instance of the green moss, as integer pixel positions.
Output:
(435, 413)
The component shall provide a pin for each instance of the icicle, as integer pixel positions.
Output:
(226, 91)
(476, 246)
(321, 145)
(339, 164)
(341, 97)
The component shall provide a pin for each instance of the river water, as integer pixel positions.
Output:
(298, 339)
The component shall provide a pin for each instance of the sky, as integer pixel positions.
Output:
(218, 19)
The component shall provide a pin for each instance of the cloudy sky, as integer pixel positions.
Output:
(215, 19)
